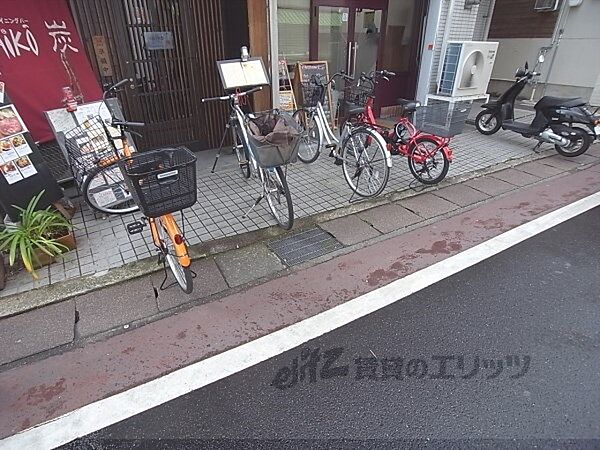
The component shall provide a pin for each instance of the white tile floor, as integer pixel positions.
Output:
(223, 198)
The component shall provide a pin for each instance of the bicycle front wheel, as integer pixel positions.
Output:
(278, 196)
(364, 163)
(183, 275)
(311, 138)
(104, 189)
(241, 152)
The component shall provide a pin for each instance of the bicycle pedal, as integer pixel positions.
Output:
(331, 146)
(135, 227)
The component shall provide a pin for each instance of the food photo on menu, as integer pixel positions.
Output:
(20, 144)
(11, 173)
(10, 122)
(7, 150)
(25, 166)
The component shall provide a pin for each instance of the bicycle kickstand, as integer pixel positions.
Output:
(258, 200)
(227, 126)
(537, 146)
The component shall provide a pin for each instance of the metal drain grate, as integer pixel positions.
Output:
(304, 246)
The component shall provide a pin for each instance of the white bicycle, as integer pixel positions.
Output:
(361, 150)
(270, 174)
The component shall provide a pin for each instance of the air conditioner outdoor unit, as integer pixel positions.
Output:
(467, 68)
(546, 5)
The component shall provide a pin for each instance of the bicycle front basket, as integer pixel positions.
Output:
(274, 137)
(161, 181)
(86, 145)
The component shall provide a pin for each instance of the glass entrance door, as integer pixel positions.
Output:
(364, 35)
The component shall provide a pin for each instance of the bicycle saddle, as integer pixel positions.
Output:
(354, 109)
(408, 105)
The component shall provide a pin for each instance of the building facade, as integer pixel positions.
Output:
(405, 36)
(569, 37)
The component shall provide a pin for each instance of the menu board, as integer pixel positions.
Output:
(15, 164)
(310, 69)
(23, 172)
(236, 73)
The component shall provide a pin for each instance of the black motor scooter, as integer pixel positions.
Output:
(553, 121)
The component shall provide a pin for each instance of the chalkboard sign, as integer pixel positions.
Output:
(23, 172)
(306, 70)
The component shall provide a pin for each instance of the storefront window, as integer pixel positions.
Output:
(294, 29)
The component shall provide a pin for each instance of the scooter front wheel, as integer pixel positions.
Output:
(579, 142)
(488, 122)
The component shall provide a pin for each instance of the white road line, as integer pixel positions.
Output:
(111, 410)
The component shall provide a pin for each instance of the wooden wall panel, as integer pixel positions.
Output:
(170, 82)
(259, 45)
(518, 19)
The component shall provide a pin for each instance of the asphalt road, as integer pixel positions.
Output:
(519, 336)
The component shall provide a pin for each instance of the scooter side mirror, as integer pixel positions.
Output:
(526, 65)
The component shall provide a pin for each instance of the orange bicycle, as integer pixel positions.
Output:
(117, 180)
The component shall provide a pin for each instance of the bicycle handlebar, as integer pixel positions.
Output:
(233, 95)
(385, 74)
(124, 123)
(120, 83)
(318, 79)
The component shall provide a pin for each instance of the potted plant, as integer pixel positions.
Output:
(38, 238)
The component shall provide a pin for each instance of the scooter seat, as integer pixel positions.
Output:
(408, 105)
(549, 102)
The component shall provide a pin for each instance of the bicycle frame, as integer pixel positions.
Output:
(399, 148)
(327, 133)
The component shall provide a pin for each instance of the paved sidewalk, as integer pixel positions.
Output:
(224, 197)
(249, 259)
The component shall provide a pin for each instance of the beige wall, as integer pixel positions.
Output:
(577, 62)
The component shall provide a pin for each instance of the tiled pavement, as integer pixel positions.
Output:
(223, 198)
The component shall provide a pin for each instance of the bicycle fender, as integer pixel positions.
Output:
(448, 152)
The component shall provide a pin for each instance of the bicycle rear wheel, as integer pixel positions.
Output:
(311, 138)
(364, 163)
(278, 196)
(183, 275)
(427, 161)
(104, 189)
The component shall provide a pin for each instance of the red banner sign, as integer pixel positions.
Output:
(40, 53)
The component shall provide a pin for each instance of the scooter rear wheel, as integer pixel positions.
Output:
(579, 142)
(488, 122)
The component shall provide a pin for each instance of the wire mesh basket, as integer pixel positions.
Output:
(274, 138)
(312, 94)
(161, 181)
(358, 95)
(444, 119)
(87, 145)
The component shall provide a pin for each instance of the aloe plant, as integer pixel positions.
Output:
(34, 233)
